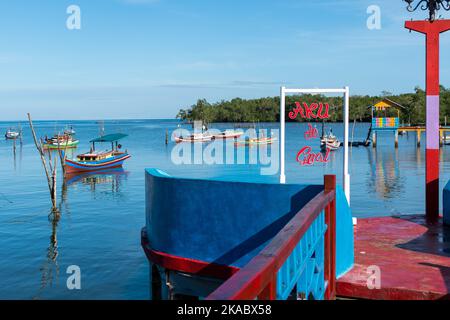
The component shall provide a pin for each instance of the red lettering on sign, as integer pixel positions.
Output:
(323, 114)
(309, 110)
(312, 111)
(311, 132)
(298, 109)
(307, 158)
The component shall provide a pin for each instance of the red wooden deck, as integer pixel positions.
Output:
(413, 257)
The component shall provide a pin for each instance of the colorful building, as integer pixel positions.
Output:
(385, 117)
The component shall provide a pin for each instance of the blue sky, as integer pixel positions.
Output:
(148, 58)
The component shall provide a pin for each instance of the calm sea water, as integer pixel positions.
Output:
(102, 215)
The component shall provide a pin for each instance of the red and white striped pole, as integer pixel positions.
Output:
(432, 31)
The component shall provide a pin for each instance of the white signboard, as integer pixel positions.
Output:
(346, 96)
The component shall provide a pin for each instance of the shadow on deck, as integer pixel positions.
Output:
(413, 259)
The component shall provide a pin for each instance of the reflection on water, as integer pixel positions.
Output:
(14, 155)
(384, 179)
(50, 267)
(14, 146)
(418, 158)
(109, 181)
(63, 201)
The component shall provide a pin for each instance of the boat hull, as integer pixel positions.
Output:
(12, 135)
(332, 146)
(227, 136)
(71, 145)
(76, 166)
(192, 140)
(255, 142)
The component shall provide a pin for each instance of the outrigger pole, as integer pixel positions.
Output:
(346, 92)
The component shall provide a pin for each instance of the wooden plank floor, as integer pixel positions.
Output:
(413, 259)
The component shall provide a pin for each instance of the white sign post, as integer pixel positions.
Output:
(346, 92)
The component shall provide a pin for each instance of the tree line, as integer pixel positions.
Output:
(268, 109)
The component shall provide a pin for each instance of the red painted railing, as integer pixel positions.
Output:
(258, 278)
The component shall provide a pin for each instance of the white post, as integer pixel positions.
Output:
(282, 134)
(346, 116)
(346, 175)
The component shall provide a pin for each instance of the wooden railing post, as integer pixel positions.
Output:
(330, 238)
(270, 291)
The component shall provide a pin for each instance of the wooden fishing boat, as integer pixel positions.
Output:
(12, 134)
(330, 144)
(196, 137)
(99, 160)
(330, 137)
(58, 141)
(69, 131)
(255, 141)
(329, 141)
(228, 134)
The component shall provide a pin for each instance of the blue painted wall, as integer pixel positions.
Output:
(230, 222)
(345, 256)
(446, 203)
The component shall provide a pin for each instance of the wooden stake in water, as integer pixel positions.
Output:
(445, 132)
(51, 178)
(353, 129)
(62, 156)
(20, 133)
(52, 169)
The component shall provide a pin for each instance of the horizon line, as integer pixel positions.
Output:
(93, 119)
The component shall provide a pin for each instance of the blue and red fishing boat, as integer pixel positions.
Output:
(99, 160)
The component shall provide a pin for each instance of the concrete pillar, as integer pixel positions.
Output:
(374, 139)
(432, 30)
(155, 282)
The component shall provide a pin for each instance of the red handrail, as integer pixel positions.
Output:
(258, 278)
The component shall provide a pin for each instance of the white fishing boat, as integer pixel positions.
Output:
(12, 134)
(329, 141)
(228, 134)
(196, 137)
(446, 139)
(255, 141)
(69, 131)
(330, 144)
(328, 138)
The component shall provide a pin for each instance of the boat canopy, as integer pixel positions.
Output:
(110, 138)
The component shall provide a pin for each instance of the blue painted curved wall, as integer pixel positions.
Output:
(230, 222)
